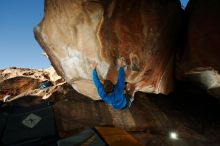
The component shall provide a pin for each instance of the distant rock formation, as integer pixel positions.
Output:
(19, 82)
(201, 61)
(78, 32)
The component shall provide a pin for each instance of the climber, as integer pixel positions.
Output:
(110, 93)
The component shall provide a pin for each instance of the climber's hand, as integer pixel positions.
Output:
(121, 62)
(93, 65)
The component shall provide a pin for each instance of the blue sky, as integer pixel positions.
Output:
(18, 46)
(184, 3)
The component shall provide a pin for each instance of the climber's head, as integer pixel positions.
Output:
(108, 86)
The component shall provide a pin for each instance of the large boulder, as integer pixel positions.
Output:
(77, 32)
(200, 61)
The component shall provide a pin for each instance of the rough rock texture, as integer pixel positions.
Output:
(75, 33)
(201, 59)
(18, 82)
(17, 85)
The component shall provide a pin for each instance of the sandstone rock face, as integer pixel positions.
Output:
(201, 59)
(75, 33)
(19, 82)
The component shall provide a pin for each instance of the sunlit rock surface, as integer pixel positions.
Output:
(19, 82)
(201, 61)
(78, 32)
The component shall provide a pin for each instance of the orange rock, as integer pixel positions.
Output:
(76, 33)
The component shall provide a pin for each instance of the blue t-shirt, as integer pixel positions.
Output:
(116, 98)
